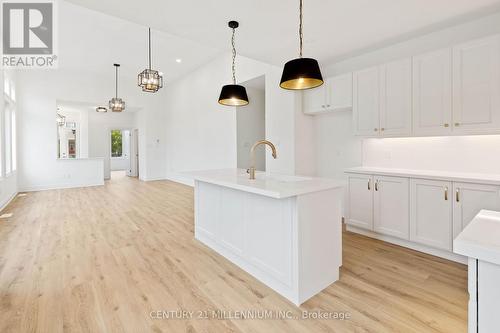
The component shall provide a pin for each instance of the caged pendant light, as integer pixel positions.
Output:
(233, 94)
(149, 79)
(116, 104)
(301, 73)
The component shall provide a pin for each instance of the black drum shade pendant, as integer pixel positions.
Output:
(233, 94)
(301, 73)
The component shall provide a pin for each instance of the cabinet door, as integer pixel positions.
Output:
(395, 98)
(339, 92)
(476, 85)
(391, 206)
(469, 199)
(432, 93)
(314, 100)
(431, 213)
(361, 201)
(366, 102)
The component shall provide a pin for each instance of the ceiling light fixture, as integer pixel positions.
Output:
(233, 94)
(301, 73)
(101, 109)
(149, 79)
(116, 104)
(178, 60)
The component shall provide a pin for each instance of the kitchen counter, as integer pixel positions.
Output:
(479, 178)
(481, 238)
(286, 231)
(271, 185)
(480, 241)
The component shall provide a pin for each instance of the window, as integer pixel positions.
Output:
(8, 139)
(116, 143)
(8, 127)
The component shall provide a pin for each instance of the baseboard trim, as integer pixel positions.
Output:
(180, 179)
(56, 187)
(411, 245)
(8, 201)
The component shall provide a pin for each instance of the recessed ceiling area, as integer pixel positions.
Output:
(268, 29)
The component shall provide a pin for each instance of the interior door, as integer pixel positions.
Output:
(391, 206)
(476, 85)
(366, 103)
(133, 169)
(395, 98)
(361, 201)
(431, 213)
(469, 199)
(432, 93)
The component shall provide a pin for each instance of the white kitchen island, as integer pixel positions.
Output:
(284, 230)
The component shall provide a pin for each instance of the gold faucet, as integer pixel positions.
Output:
(251, 170)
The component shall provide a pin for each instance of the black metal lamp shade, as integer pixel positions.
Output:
(233, 95)
(301, 74)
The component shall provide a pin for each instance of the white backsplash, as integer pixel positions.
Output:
(480, 153)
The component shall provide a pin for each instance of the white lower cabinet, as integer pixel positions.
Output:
(361, 201)
(431, 213)
(391, 206)
(469, 199)
(379, 204)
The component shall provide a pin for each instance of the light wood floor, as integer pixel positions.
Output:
(101, 259)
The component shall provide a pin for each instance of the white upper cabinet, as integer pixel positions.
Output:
(469, 199)
(334, 95)
(431, 213)
(391, 209)
(366, 101)
(476, 85)
(432, 93)
(395, 98)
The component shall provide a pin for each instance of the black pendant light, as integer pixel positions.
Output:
(149, 79)
(301, 73)
(116, 104)
(233, 94)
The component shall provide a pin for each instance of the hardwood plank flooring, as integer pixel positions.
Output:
(102, 259)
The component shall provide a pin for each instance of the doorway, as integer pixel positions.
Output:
(124, 152)
(251, 124)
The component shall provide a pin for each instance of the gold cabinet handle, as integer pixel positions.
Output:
(382, 129)
(446, 125)
(457, 192)
(376, 185)
(446, 193)
(457, 124)
(375, 129)
(369, 185)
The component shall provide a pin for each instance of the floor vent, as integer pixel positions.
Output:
(6, 216)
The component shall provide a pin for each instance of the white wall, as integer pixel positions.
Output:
(251, 127)
(479, 153)
(201, 134)
(38, 93)
(338, 148)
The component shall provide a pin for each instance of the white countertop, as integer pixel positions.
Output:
(271, 185)
(466, 177)
(481, 238)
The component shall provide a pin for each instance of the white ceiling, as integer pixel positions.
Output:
(333, 29)
(92, 42)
